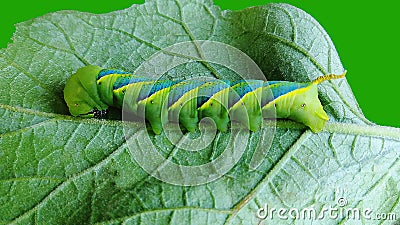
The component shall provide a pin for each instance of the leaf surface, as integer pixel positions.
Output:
(56, 169)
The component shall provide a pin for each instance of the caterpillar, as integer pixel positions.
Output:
(92, 90)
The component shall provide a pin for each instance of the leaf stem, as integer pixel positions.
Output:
(363, 130)
(343, 128)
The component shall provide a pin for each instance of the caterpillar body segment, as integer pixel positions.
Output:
(215, 104)
(247, 109)
(183, 106)
(91, 90)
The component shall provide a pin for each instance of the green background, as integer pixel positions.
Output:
(365, 35)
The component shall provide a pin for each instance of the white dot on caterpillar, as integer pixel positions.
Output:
(303, 105)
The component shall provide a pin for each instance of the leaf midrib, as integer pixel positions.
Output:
(342, 128)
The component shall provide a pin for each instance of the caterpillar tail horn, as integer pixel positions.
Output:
(329, 77)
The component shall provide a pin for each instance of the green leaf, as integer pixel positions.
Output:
(56, 169)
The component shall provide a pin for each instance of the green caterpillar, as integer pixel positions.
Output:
(92, 90)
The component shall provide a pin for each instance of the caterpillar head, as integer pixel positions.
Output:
(307, 109)
(81, 94)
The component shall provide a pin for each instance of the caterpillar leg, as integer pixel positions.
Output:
(252, 120)
(155, 110)
(248, 111)
(156, 126)
(184, 111)
(153, 115)
(188, 115)
(217, 112)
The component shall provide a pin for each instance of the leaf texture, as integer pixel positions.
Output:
(56, 169)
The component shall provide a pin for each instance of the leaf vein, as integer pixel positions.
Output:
(24, 129)
(16, 179)
(51, 91)
(395, 165)
(69, 41)
(164, 210)
(270, 175)
(59, 188)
